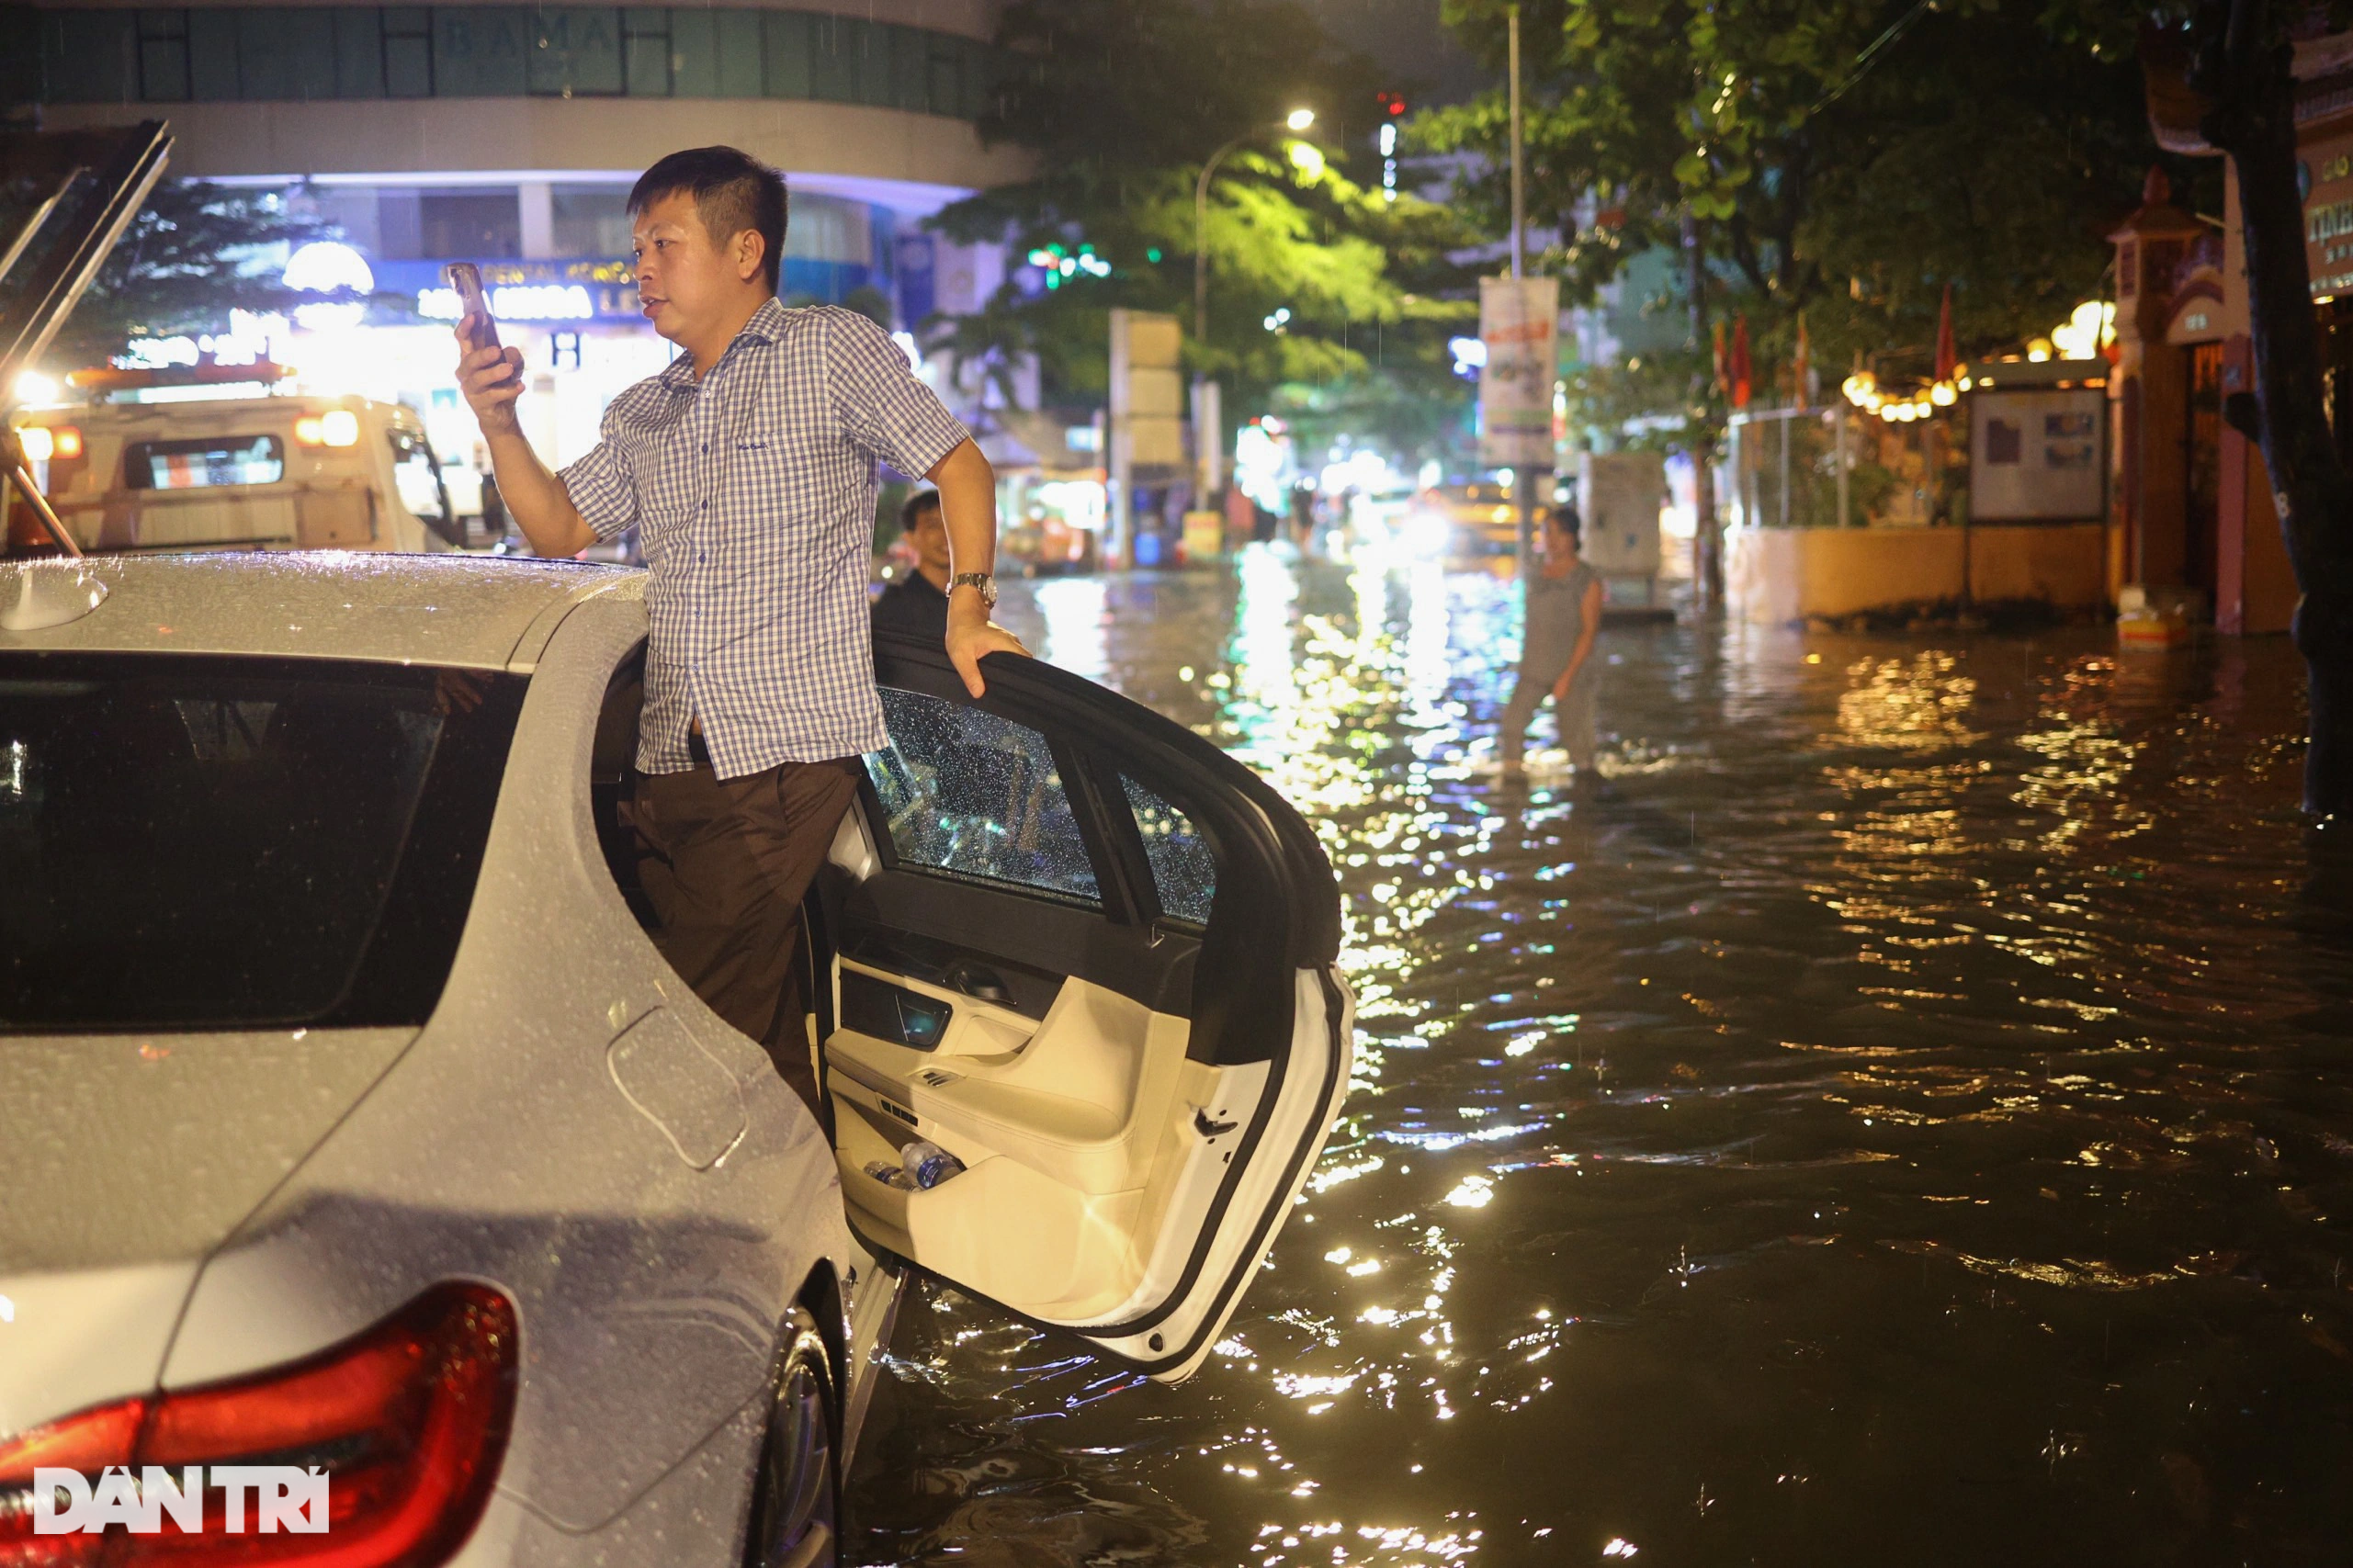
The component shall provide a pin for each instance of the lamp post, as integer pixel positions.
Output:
(1208, 442)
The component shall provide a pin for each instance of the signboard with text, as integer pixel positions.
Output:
(1519, 322)
(2038, 456)
(523, 290)
(2324, 174)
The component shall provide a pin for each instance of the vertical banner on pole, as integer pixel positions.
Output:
(1519, 321)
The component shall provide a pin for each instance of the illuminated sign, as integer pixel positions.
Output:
(516, 302)
(554, 291)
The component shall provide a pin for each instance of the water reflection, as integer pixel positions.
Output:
(1894, 1090)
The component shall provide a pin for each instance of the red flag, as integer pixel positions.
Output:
(1739, 368)
(1947, 357)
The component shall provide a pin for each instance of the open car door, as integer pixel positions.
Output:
(1093, 957)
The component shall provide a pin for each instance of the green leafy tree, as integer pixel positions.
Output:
(196, 252)
(1319, 291)
(1845, 159)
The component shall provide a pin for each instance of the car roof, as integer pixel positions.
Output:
(468, 611)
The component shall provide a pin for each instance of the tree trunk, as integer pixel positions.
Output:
(2243, 66)
(1707, 540)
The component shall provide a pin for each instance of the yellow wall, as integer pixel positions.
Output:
(1778, 575)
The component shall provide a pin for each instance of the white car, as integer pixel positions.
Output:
(349, 1118)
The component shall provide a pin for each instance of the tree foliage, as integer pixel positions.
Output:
(1121, 102)
(1843, 158)
(196, 252)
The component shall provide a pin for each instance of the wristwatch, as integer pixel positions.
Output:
(982, 581)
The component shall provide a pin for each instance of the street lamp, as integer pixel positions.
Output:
(1211, 455)
(1298, 119)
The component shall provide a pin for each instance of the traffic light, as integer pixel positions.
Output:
(1392, 112)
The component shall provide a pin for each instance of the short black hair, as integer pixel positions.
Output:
(733, 190)
(914, 507)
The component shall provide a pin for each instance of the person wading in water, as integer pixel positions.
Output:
(1564, 613)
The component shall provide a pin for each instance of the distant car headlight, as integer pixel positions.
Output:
(1426, 533)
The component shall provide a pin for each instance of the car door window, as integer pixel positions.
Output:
(968, 793)
(1184, 872)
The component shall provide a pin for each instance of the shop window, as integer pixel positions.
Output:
(826, 230)
(484, 224)
(693, 54)
(359, 53)
(739, 54)
(943, 75)
(788, 50)
(575, 51)
(590, 220)
(163, 56)
(979, 79)
(645, 51)
(221, 53)
(909, 68)
(837, 58)
(90, 56)
(286, 55)
(212, 57)
(408, 51)
(478, 51)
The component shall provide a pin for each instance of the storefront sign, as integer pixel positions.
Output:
(2325, 173)
(523, 290)
(1519, 322)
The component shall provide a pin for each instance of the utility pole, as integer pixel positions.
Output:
(1523, 477)
(1707, 545)
(1519, 184)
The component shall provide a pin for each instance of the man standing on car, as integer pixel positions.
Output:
(748, 467)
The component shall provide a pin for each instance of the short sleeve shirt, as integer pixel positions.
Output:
(753, 490)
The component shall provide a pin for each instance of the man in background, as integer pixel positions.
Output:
(917, 605)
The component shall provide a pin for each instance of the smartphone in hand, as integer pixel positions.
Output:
(467, 279)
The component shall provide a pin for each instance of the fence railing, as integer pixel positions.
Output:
(1832, 468)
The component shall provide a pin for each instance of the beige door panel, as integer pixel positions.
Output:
(1080, 1096)
(1092, 1148)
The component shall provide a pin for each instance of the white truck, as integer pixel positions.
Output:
(239, 473)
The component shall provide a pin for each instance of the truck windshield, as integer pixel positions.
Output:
(193, 843)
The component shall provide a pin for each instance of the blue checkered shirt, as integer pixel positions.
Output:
(753, 493)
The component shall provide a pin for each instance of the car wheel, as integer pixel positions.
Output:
(797, 1493)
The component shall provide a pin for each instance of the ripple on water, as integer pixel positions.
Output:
(1898, 1111)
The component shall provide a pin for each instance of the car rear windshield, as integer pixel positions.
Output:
(204, 462)
(193, 843)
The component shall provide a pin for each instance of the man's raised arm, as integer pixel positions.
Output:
(492, 378)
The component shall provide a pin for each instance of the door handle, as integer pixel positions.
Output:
(979, 982)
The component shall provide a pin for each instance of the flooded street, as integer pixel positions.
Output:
(1899, 1113)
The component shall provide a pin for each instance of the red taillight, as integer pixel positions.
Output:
(408, 1420)
(68, 441)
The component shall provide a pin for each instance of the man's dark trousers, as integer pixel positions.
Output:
(725, 863)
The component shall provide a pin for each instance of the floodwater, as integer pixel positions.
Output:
(1898, 1114)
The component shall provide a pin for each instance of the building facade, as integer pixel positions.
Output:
(508, 135)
